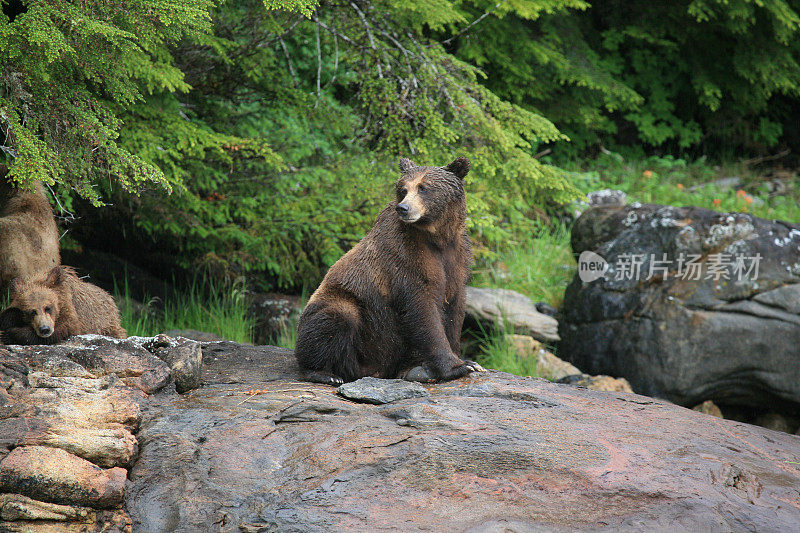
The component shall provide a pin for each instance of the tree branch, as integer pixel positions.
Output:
(319, 59)
(476, 21)
(369, 36)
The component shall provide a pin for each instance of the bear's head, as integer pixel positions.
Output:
(35, 302)
(425, 193)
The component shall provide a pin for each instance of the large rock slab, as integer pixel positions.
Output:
(502, 308)
(68, 417)
(260, 451)
(55, 475)
(96, 356)
(229, 362)
(729, 336)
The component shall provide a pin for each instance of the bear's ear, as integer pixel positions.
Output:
(459, 167)
(406, 164)
(54, 277)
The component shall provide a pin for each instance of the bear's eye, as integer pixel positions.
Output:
(403, 191)
(421, 188)
(48, 309)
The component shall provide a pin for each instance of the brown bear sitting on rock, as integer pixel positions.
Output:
(396, 300)
(51, 308)
(28, 233)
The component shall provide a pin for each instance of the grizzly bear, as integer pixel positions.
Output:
(51, 308)
(28, 233)
(396, 300)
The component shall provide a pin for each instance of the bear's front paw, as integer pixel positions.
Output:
(461, 370)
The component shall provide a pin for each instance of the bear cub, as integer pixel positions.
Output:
(395, 302)
(53, 307)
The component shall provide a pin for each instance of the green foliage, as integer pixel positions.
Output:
(67, 72)
(204, 306)
(706, 75)
(306, 7)
(675, 181)
(706, 68)
(286, 146)
(539, 265)
(534, 54)
(277, 124)
(498, 353)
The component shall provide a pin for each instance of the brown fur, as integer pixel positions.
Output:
(49, 309)
(396, 300)
(28, 233)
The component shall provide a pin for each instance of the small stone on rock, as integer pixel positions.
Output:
(420, 374)
(709, 408)
(380, 391)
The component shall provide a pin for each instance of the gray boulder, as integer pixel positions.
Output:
(491, 308)
(712, 314)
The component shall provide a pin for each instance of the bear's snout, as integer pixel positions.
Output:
(410, 211)
(45, 331)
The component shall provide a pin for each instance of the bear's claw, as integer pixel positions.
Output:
(424, 374)
(323, 377)
(475, 367)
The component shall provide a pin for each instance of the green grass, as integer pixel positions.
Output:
(539, 266)
(497, 353)
(203, 306)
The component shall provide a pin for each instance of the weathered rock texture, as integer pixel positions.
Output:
(256, 450)
(601, 383)
(184, 357)
(490, 308)
(68, 417)
(726, 340)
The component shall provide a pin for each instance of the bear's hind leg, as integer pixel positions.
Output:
(327, 344)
